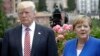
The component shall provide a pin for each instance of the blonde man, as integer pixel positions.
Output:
(29, 38)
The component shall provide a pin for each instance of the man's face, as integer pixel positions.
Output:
(26, 16)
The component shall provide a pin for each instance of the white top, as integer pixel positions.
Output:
(32, 29)
(78, 52)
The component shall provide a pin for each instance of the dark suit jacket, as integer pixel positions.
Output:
(91, 48)
(43, 44)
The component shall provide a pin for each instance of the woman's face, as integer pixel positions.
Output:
(82, 30)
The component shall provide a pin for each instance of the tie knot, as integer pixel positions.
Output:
(27, 29)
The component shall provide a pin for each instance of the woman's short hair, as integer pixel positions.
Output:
(81, 19)
(26, 4)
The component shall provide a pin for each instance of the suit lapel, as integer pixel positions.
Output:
(74, 51)
(36, 39)
(19, 40)
(85, 48)
(72, 48)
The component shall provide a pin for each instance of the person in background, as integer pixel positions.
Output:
(29, 38)
(84, 44)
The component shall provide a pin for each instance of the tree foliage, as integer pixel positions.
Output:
(2, 25)
(71, 5)
(3, 21)
(41, 6)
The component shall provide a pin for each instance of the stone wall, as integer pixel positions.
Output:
(43, 20)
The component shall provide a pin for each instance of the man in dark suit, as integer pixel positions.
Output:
(29, 38)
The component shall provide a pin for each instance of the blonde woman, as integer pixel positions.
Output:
(84, 44)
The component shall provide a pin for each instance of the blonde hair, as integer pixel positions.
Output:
(81, 19)
(26, 4)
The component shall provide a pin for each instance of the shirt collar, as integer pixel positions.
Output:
(32, 26)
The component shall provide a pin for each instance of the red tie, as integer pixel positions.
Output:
(27, 50)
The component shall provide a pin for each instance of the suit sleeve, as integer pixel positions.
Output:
(52, 47)
(4, 50)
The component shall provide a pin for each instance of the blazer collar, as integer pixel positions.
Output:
(37, 38)
(86, 45)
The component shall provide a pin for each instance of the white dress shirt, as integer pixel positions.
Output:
(78, 51)
(32, 29)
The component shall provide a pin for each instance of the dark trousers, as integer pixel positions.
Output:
(0, 45)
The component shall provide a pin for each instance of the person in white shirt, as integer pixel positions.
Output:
(29, 38)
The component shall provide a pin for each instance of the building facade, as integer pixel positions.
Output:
(7, 6)
(50, 4)
(11, 5)
(87, 6)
